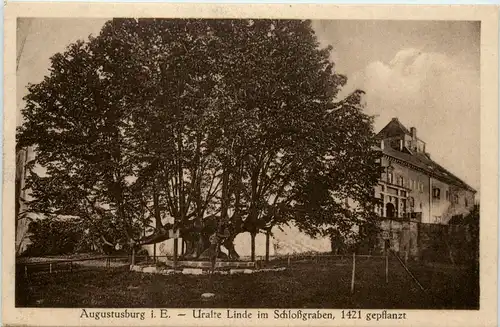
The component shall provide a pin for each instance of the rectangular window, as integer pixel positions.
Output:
(447, 195)
(392, 191)
(389, 178)
(401, 181)
(436, 193)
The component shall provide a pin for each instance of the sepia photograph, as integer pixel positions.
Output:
(247, 159)
(247, 163)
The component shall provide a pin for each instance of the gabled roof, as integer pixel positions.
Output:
(424, 163)
(418, 160)
(394, 128)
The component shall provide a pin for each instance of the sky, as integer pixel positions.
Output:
(426, 73)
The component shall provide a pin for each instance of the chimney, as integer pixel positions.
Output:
(401, 145)
(413, 131)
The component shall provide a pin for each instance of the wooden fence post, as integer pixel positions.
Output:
(409, 272)
(267, 244)
(252, 246)
(133, 256)
(386, 266)
(176, 251)
(50, 268)
(353, 271)
(154, 253)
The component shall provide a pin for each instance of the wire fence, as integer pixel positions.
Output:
(356, 267)
(355, 277)
(73, 265)
(362, 269)
(52, 265)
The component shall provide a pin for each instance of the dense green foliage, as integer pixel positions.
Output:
(54, 237)
(198, 125)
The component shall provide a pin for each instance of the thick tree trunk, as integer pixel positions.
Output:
(225, 197)
(196, 244)
(156, 206)
(176, 251)
(182, 193)
(252, 235)
(229, 245)
(268, 236)
(190, 249)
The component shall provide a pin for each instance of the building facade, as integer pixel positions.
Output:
(23, 156)
(412, 185)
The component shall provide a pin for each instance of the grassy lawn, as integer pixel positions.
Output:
(303, 285)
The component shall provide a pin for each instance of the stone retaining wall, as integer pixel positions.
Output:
(198, 271)
(429, 242)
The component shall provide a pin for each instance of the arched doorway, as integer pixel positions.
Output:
(389, 210)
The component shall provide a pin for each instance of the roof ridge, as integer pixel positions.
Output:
(403, 127)
(393, 123)
(425, 166)
(450, 173)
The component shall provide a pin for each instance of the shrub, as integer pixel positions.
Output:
(53, 237)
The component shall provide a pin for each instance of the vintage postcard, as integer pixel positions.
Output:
(257, 165)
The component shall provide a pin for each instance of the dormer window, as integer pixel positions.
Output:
(397, 144)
